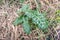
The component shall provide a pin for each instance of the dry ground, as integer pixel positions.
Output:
(8, 14)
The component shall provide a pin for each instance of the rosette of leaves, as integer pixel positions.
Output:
(31, 18)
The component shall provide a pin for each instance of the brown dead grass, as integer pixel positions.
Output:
(8, 14)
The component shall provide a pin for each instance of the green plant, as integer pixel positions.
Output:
(58, 16)
(1, 2)
(29, 18)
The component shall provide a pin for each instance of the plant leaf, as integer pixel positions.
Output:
(58, 16)
(26, 25)
(18, 21)
(37, 18)
(21, 1)
(58, 19)
(25, 8)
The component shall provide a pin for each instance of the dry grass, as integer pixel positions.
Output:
(8, 14)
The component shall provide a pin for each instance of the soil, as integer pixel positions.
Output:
(8, 14)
